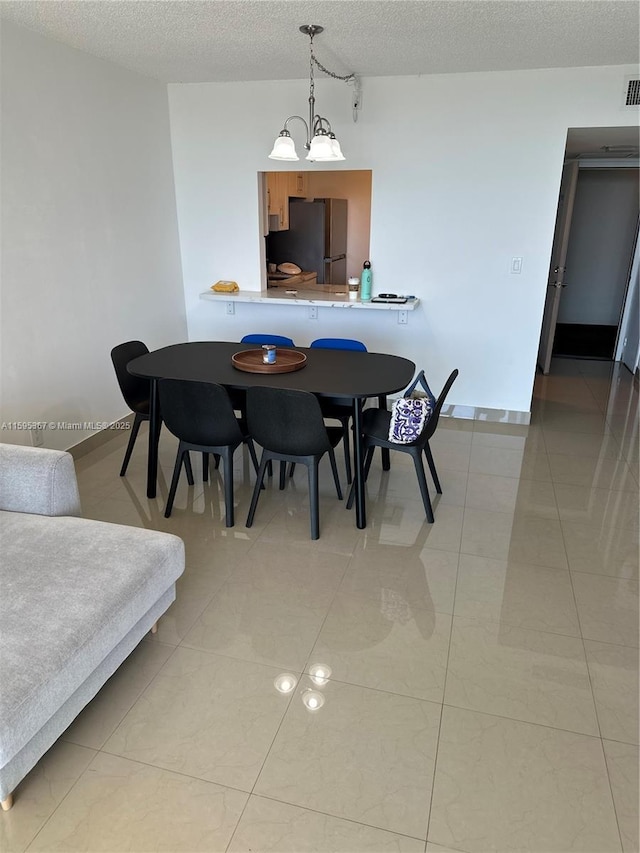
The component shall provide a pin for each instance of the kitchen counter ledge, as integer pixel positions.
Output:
(321, 299)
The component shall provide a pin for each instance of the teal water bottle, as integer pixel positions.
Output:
(365, 283)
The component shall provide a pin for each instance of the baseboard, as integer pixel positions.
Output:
(479, 413)
(491, 416)
(92, 442)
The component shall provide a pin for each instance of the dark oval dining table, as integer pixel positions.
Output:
(346, 374)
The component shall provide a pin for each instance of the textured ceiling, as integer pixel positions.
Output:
(216, 40)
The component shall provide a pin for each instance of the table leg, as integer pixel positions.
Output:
(358, 479)
(386, 459)
(154, 435)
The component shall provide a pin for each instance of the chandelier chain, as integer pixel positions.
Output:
(346, 78)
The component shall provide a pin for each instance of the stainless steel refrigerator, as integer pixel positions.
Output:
(316, 240)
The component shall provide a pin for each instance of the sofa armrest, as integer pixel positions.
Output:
(38, 481)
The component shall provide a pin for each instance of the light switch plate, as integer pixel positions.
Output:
(231, 308)
(403, 317)
(313, 312)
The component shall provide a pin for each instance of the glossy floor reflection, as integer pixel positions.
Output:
(466, 686)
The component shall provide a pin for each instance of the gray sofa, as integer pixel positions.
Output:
(76, 597)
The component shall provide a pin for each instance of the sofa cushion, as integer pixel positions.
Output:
(38, 480)
(71, 590)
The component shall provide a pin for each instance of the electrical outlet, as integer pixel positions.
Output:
(231, 308)
(37, 436)
(313, 312)
(403, 317)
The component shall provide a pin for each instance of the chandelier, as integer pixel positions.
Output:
(321, 141)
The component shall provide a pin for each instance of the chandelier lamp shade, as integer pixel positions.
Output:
(321, 142)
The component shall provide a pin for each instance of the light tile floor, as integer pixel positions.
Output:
(482, 689)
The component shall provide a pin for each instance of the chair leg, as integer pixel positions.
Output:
(181, 455)
(283, 475)
(256, 491)
(386, 460)
(432, 468)
(205, 467)
(367, 465)
(292, 468)
(336, 478)
(314, 501)
(188, 468)
(132, 440)
(228, 486)
(367, 462)
(252, 453)
(422, 481)
(347, 450)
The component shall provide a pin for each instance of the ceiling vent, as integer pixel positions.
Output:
(632, 93)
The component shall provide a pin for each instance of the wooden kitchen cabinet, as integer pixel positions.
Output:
(278, 200)
(298, 184)
(281, 186)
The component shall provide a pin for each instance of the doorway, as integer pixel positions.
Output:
(594, 244)
(601, 244)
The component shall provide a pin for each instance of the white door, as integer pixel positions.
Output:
(557, 270)
(628, 347)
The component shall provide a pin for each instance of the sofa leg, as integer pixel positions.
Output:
(154, 628)
(7, 803)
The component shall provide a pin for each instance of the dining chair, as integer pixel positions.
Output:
(238, 397)
(260, 340)
(375, 433)
(134, 390)
(334, 408)
(338, 343)
(201, 417)
(290, 428)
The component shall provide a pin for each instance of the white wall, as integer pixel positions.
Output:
(90, 254)
(466, 172)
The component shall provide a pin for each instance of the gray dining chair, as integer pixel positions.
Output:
(375, 433)
(134, 390)
(201, 417)
(289, 427)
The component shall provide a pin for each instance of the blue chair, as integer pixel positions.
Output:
(260, 339)
(335, 409)
(339, 343)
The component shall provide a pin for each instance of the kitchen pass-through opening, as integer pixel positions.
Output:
(316, 226)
